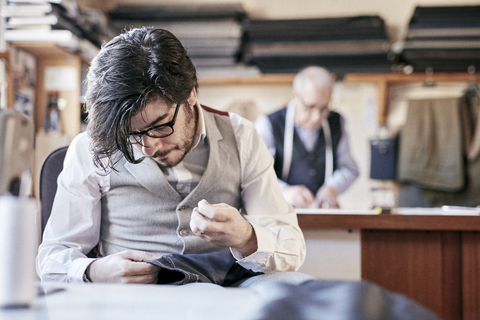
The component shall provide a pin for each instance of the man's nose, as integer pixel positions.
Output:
(150, 145)
(316, 115)
(320, 114)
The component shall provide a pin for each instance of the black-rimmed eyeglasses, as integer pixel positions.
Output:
(161, 131)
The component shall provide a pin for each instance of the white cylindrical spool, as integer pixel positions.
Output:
(18, 247)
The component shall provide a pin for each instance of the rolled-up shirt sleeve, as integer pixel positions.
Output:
(281, 245)
(76, 213)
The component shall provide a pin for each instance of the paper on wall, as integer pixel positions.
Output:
(61, 78)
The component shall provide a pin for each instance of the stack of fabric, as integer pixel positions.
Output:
(39, 21)
(343, 45)
(211, 33)
(60, 21)
(445, 39)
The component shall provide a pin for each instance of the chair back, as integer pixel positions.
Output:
(51, 168)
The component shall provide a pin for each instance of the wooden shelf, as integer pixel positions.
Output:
(263, 79)
(393, 78)
(384, 80)
(43, 49)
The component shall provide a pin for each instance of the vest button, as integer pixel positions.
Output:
(312, 172)
(182, 208)
(183, 232)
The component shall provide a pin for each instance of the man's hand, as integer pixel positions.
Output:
(124, 267)
(327, 197)
(299, 196)
(222, 225)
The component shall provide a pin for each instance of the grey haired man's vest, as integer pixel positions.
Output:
(308, 168)
(142, 211)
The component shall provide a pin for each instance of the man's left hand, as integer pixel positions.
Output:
(223, 225)
(327, 197)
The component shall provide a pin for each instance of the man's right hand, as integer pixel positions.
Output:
(298, 196)
(124, 267)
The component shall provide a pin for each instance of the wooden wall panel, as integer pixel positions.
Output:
(452, 275)
(417, 264)
(471, 275)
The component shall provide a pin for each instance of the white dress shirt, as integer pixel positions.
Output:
(75, 219)
(346, 169)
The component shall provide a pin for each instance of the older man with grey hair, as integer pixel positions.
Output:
(309, 143)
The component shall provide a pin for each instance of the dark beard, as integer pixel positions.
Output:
(189, 135)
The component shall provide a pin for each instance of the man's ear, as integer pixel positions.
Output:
(192, 98)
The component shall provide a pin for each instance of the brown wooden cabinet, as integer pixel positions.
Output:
(51, 55)
(434, 260)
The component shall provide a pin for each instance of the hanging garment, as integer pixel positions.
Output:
(431, 149)
(470, 107)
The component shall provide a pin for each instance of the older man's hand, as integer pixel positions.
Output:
(299, 196)
(327, 197)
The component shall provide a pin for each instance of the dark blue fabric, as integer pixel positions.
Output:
(279, 300)
(326, 300)
(308, 168)
(217, 267)
(383, 158)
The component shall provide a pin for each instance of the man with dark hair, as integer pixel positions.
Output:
(156, 173)
(309, 143)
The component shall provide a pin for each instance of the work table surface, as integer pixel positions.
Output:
(387, 221)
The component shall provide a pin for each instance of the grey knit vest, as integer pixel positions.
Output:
(142, 211)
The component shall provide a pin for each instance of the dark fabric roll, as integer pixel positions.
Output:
(217, 267)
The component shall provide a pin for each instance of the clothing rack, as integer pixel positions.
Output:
(383, 81)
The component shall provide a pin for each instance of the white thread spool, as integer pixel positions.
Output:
(19, 238)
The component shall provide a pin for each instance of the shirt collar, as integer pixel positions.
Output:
(201, 133)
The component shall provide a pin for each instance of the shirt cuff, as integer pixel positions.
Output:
(282, 184)
(259, 260)
(77, 269)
